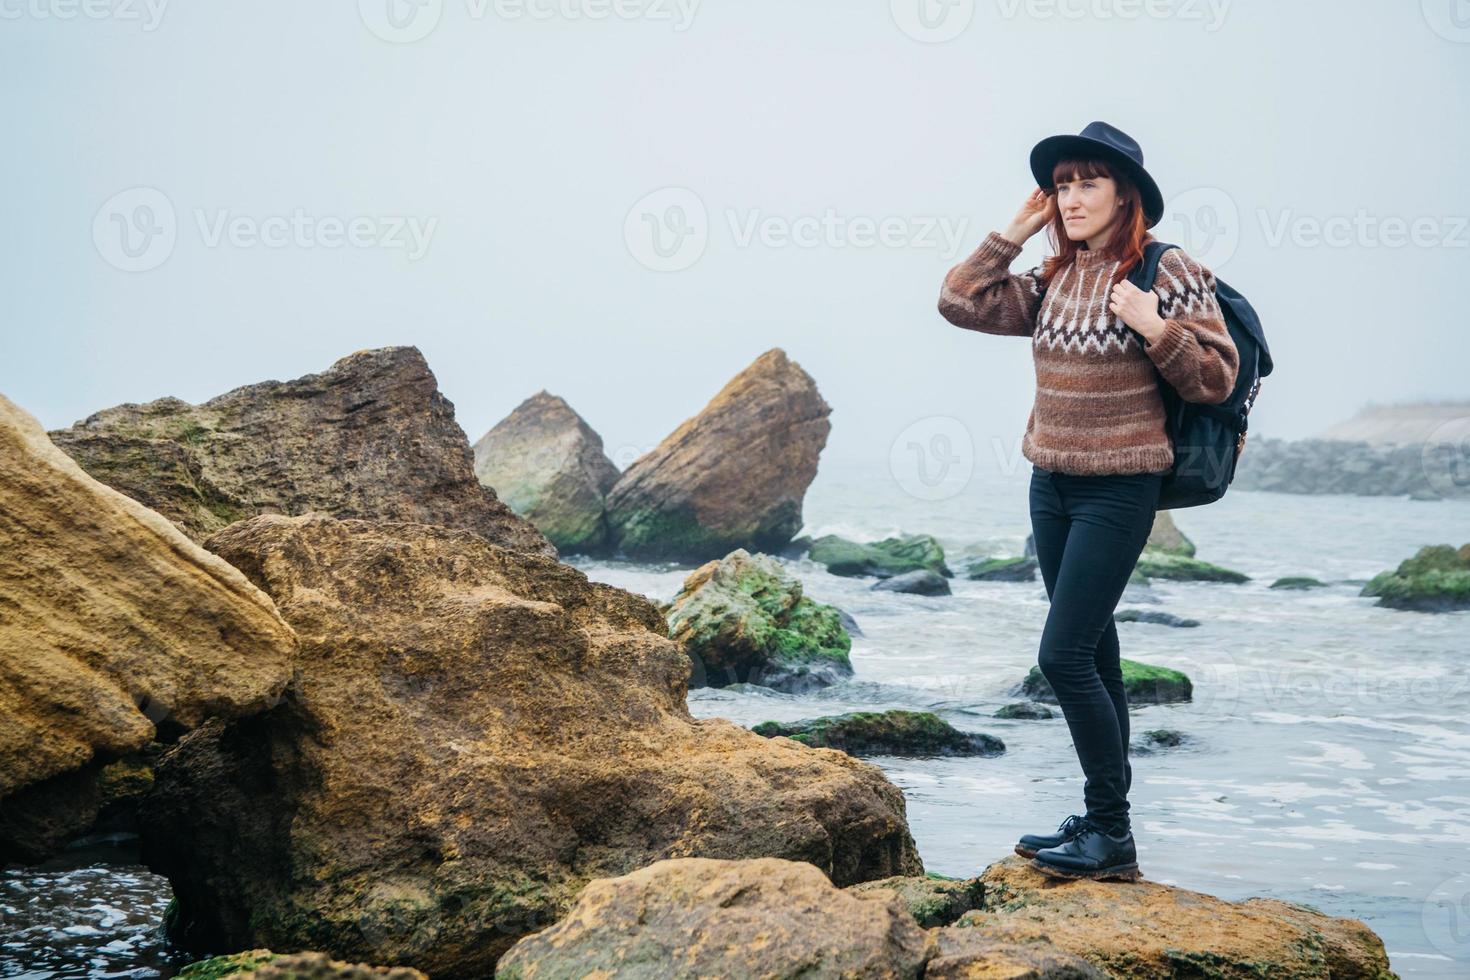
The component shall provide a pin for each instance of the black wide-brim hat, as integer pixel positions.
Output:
(1110, 143)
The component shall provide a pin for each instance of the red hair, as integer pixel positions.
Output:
(1125, 244)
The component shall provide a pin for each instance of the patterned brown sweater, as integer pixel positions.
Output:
(1098, 409)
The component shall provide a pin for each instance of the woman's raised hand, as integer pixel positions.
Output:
(1036, 213)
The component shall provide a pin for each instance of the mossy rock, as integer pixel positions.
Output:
(1025, 711)
(1003, 570)
(1436, 579)
(1158, 740)
(1145, 684)
(886, 558)
(933, 900)
(1297, 582)
(1177, 568)
(743, 619)
(1166, 538)
(224, 966)
(903, 733)
(262, 964)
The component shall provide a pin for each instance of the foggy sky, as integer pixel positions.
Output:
(488, 193)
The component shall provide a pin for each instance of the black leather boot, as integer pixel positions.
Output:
(1029, 844)
(1092, 853)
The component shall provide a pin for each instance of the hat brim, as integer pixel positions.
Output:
(1044, 157)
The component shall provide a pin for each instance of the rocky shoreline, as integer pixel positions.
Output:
(369, 725)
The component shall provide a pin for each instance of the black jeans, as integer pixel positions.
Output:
(1089, 532)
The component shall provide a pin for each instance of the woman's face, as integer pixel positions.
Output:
(1087, 205)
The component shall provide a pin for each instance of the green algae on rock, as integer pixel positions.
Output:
(744, 619)
(885, 559)
(1020, 569)
(1436, 579)
(1176, 568)
(262, 964)
(933, 900)
(896, 732)
(1145, 684)
(1297, 582)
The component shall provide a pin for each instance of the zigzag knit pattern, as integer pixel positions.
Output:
(1098, 409)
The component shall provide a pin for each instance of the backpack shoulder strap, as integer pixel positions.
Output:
(1146, 271)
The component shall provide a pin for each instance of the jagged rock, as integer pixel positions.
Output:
(113, 626)
(931, 899)
(1003, 570)
(1167, 538)
(920, 581)
(733, 476)
(547, 464)
(1297, 582)
(743, 619)
(895, 732)
(1153, 616)
(1145, 930)
(1025, 711)
(1144, 683)
(371, 437)
(701, 918)
(473, 733)
(1436, 579)
(262, 964)
(885, 559)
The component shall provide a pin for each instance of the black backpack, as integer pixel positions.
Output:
(1208, 439)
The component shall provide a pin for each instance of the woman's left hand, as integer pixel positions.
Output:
(1138, 309)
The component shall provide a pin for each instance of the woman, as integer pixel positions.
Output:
(1096, 436)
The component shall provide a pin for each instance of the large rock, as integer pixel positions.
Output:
(885, 559)
(472, 735)
(1145, 930)
(113, 626)
(702, 918)
(262, 964)
(733, 476)
(371, 437)
(743, 619)
(1144, 684)
(547, 465)
(1436, 579)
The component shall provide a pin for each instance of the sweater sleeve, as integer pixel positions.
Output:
(1195, 354)
(981, 294)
